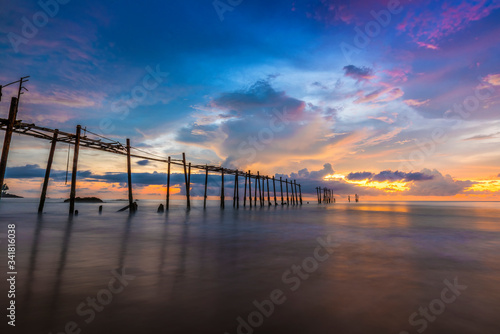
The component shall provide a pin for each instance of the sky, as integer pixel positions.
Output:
(391, 100)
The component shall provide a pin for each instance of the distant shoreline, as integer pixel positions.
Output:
(11, 196)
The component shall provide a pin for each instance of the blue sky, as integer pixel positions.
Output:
(279, 87)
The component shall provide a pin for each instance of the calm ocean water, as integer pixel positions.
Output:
(415, 267)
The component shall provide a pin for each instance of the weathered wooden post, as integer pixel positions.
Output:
(300, 189)
(245, 193)
(296, 192)
(234, 189)
(268, 196)
(287, 198)
(293, 194)
(72, 193)
(186, 181)
(237, 190)
(262, 193)
(47, 171)
(189, 177)
(167, 206)
(222, 196)
(206, 187)
(281, 187)
(7, 139)
(250, 188)
(256, 188)
(274, 189)
(129, 179)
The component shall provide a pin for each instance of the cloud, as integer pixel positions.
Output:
(439, 185)
(359, 73)
(34, 171)
(309, 180)
(359, 176)
(482, 137)
(386, 94)
(493, 79)
(304, 174)
(391, 176)
(428, 27)
(143, 162)
(416, 103)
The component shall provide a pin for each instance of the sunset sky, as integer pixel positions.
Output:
(390, 100)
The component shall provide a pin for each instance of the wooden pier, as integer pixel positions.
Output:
(96, 142)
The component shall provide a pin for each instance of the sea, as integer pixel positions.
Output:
(353, 268)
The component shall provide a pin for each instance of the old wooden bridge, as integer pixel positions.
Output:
(261, 183)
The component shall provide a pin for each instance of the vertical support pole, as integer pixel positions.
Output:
(281, 187)
(263, 192)
(300, 189)
(287, 198)
(293, 196)
(186, 181)
(222, 196)
(7, 139)
(72, 193)
(245, 193)
(296, 192)
(47, 172)
(167, 206)
(256, 188)
(268, 196)
(129, 179)
(206, 187)
(274, 189)
(234, 191)
(237, 191)
(189, 181)
(250, 188)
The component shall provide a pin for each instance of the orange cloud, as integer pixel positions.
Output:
(493, 79)
(416, 103)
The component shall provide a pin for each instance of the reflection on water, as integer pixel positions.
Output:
(199, 270)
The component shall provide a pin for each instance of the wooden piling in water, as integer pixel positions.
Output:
(206, 188)
(300, 189)
(268, 196)
(256, 188)
(186, 181)
(262, 193)
(281, 187)
(237, 190)
(274, 189)
(296, 192)
(72, 194)
(129, 179)
(222, 196)
(287, 198)
(7, 140)
(234, 189)
(245, 192)
(47, 171)
(250, 188)
(167, 205)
